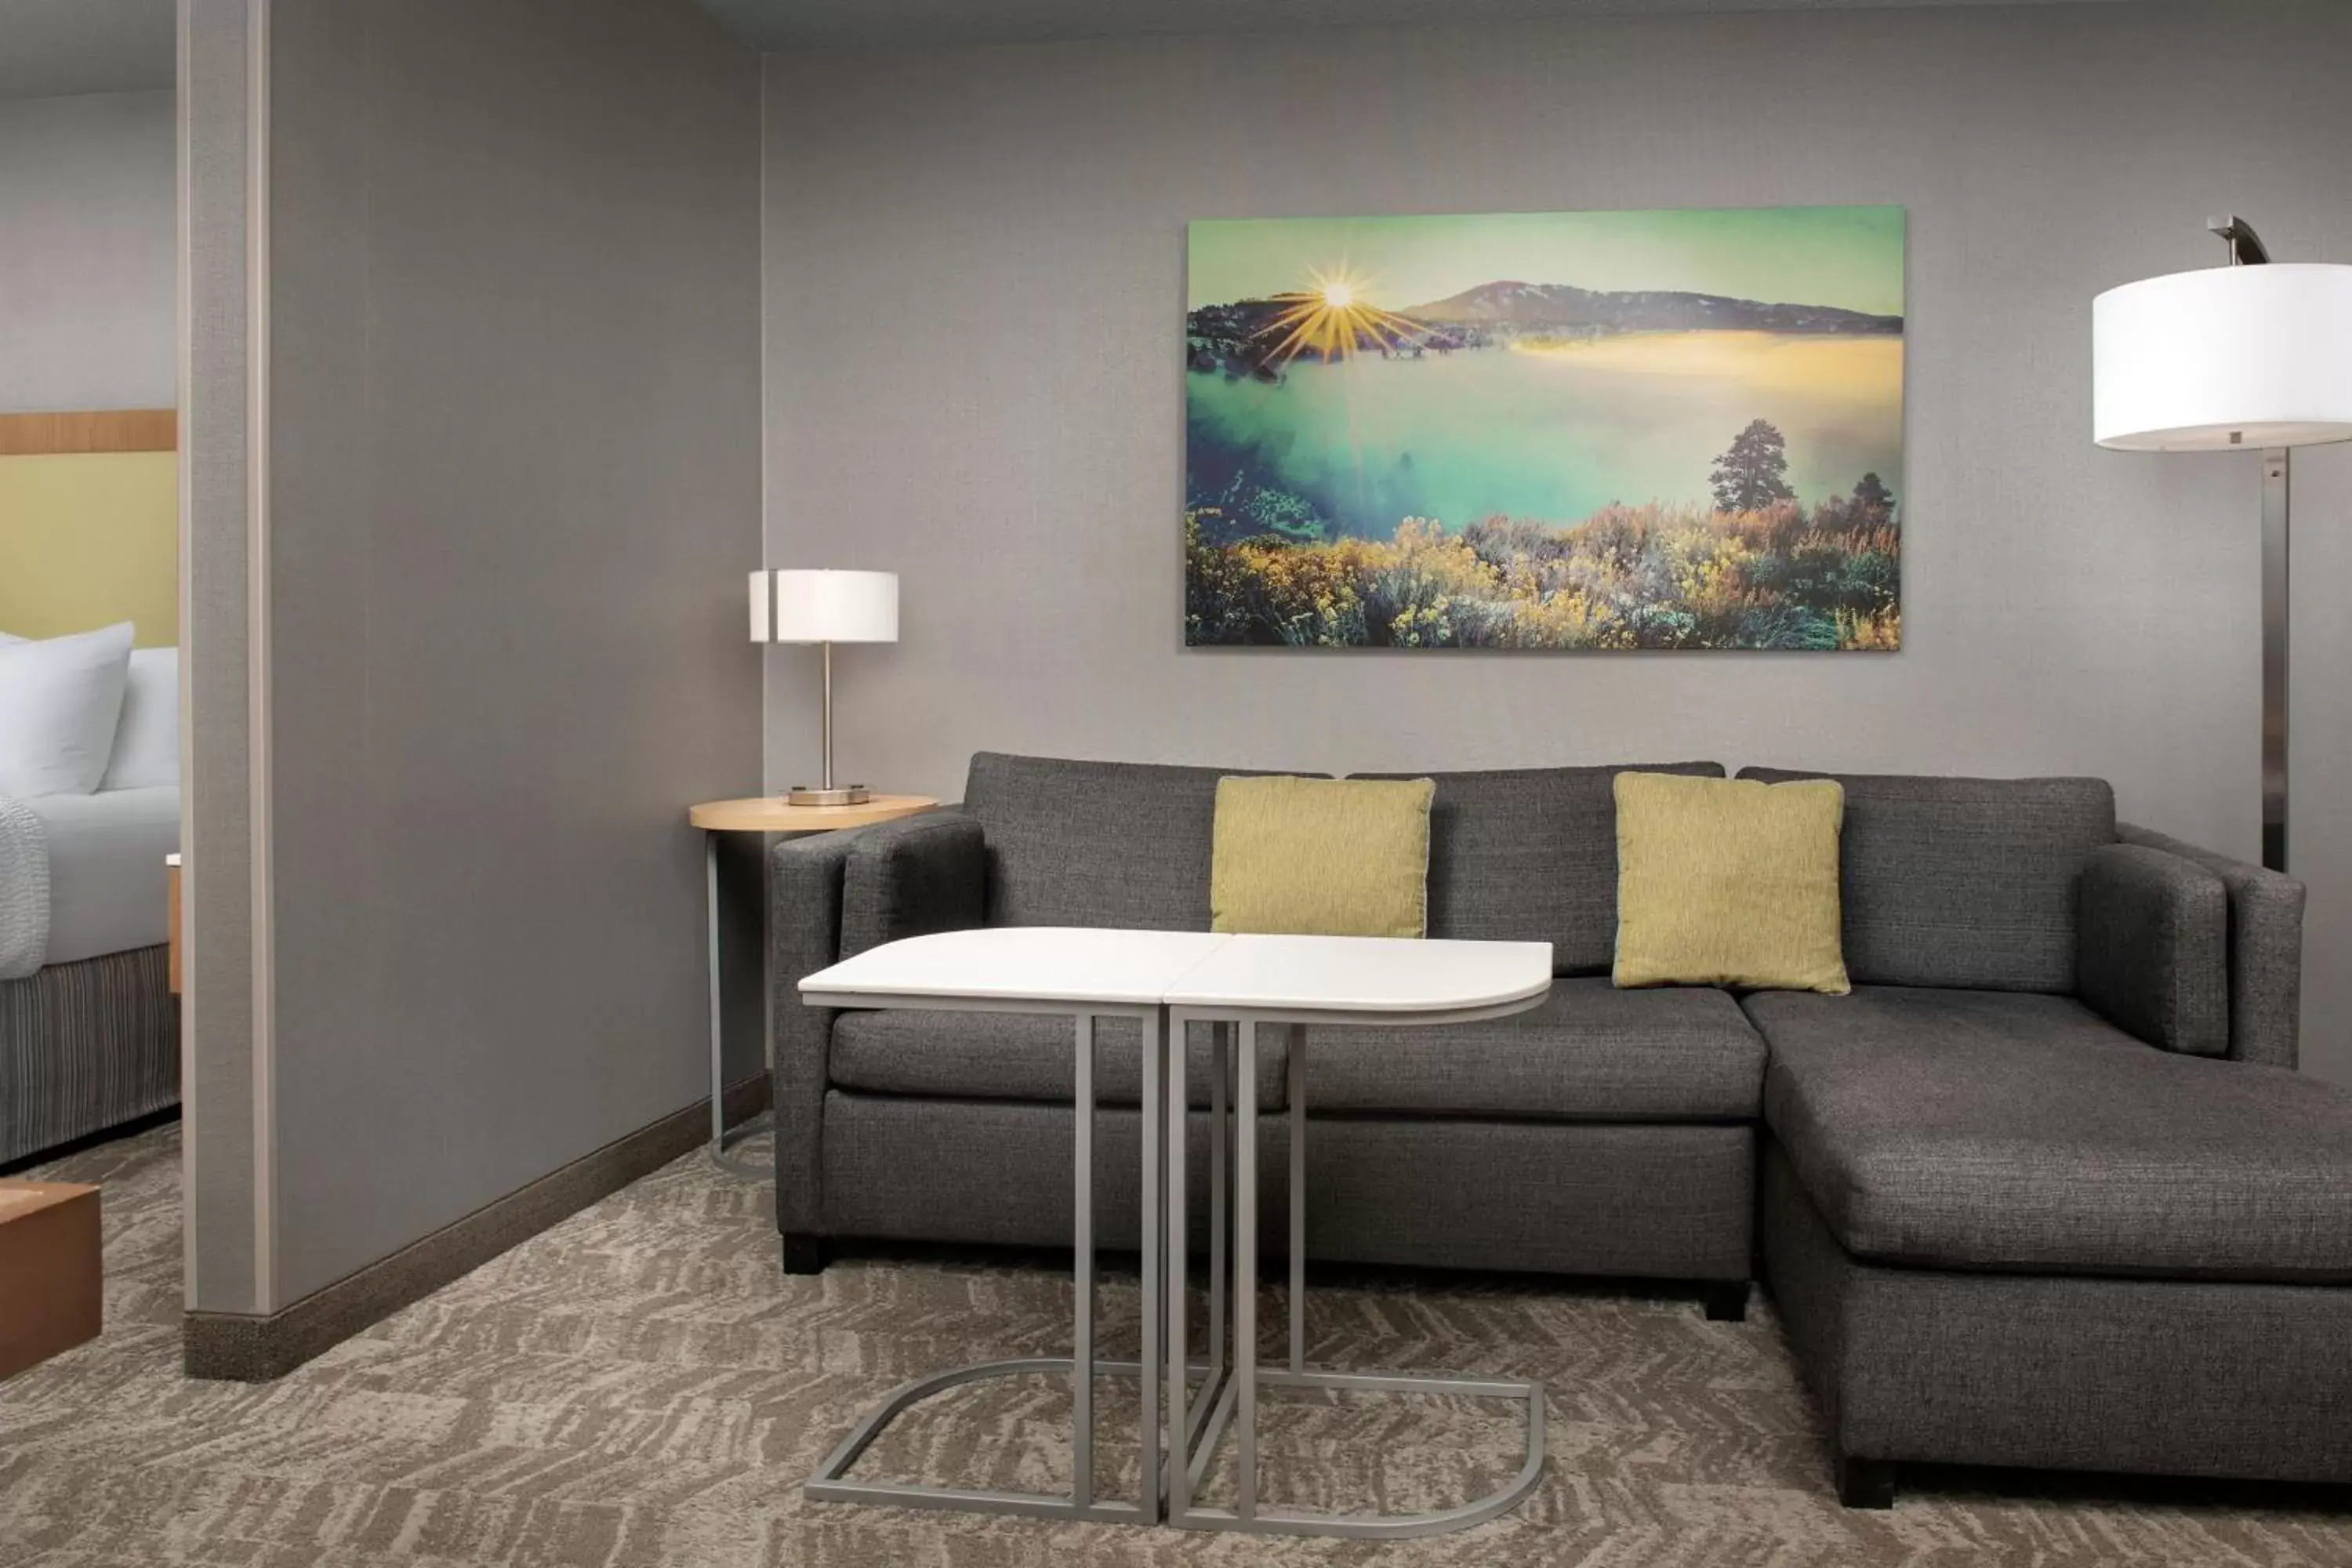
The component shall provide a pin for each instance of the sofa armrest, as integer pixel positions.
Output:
(805, 888)
(2265, 949)
(2152, 948)
(912, 876)
(830, 895)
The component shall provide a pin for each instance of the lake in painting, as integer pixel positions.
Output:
(1592, 430)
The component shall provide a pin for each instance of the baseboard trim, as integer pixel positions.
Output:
(237, 1348)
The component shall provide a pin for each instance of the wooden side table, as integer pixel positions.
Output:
(766, 814)
(51, 1298)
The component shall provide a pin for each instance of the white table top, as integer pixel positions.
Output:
(1029, 963)
(1367, 975)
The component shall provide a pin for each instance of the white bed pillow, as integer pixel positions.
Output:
(59, 702)
(147, 740)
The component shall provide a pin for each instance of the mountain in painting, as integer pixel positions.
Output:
(1515, 307)
(1248, 337)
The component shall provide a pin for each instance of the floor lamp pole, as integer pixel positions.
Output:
(2274, 657)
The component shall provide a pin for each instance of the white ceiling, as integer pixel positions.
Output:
(49, 48)
(800, 24)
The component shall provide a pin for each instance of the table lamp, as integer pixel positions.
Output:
(2255, 354)
(825, 608)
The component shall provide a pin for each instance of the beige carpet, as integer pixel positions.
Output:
(641, 1387)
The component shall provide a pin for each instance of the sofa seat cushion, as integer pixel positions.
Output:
(1995, 1130)
(1012, 1056)
(1590, 1053)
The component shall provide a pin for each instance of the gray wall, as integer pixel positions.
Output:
(88, 301)
(56, 48)
(222, 1143)
(975, 291)
(513, 466)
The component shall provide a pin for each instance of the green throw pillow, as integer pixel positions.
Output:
(1728, 882)
(1299, 856)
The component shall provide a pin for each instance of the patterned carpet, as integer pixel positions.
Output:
(641, 1387)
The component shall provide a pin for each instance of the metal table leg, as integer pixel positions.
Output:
(830, 1483)
(1245, 1275)
(733, 1165)
(1238, 1402)
(718, 1031)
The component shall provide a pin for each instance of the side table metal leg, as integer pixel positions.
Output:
(1155, 1073)
(718, 1032)
(1245, 1278)
(1082, 1354)
(1179, 1239)
(1220, 1069)
(1295, 1093)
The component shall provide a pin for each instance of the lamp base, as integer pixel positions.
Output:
(848, 794)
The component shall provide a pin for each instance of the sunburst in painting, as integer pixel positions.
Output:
(1676, 429)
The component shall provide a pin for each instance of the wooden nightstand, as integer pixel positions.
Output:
(766, 814)
(50, 1296)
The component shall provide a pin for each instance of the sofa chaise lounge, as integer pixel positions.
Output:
(2044, 1191)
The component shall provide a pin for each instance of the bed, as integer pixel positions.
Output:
(89, 1028)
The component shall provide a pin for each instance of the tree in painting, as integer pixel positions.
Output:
(1754, 474)
(1874, 503)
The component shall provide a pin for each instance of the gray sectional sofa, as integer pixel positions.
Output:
(2044, 1191)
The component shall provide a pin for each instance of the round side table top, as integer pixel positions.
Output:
(770, 814)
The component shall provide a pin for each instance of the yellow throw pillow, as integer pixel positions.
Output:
(1296, 857)
(1728, 882)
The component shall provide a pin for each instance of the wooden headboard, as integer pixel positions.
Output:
(89, 522)
(102, 430)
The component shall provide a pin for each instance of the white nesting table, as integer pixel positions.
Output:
(1166, 980)
(1087, 974)
(1250, 984)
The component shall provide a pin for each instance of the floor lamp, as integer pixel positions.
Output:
(2254, 354)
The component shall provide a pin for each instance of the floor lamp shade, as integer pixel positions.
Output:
(2248, 357)
(2256, 357)
(836, 606)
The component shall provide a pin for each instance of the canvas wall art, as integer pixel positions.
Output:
(1674, 429)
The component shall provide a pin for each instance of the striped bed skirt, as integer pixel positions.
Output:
(85, 1047)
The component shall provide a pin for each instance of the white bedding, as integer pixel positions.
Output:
(82, 875)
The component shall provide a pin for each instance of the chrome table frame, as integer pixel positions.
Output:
(1233, 1401)
(831, 1482)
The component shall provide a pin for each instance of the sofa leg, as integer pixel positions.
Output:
(1726, 1301)
(804, 1254)
(1865, 1483)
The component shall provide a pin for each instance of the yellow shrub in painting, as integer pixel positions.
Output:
(1650, 576)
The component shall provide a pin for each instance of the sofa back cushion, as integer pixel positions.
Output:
(1964, 882)
(1530, 854)
(1095, 843)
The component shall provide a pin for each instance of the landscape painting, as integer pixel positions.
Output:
(1674, 429)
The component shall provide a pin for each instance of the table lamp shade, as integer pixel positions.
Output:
(2242, 357)
(833, 606)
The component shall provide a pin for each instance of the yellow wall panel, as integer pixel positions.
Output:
(89, 540)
